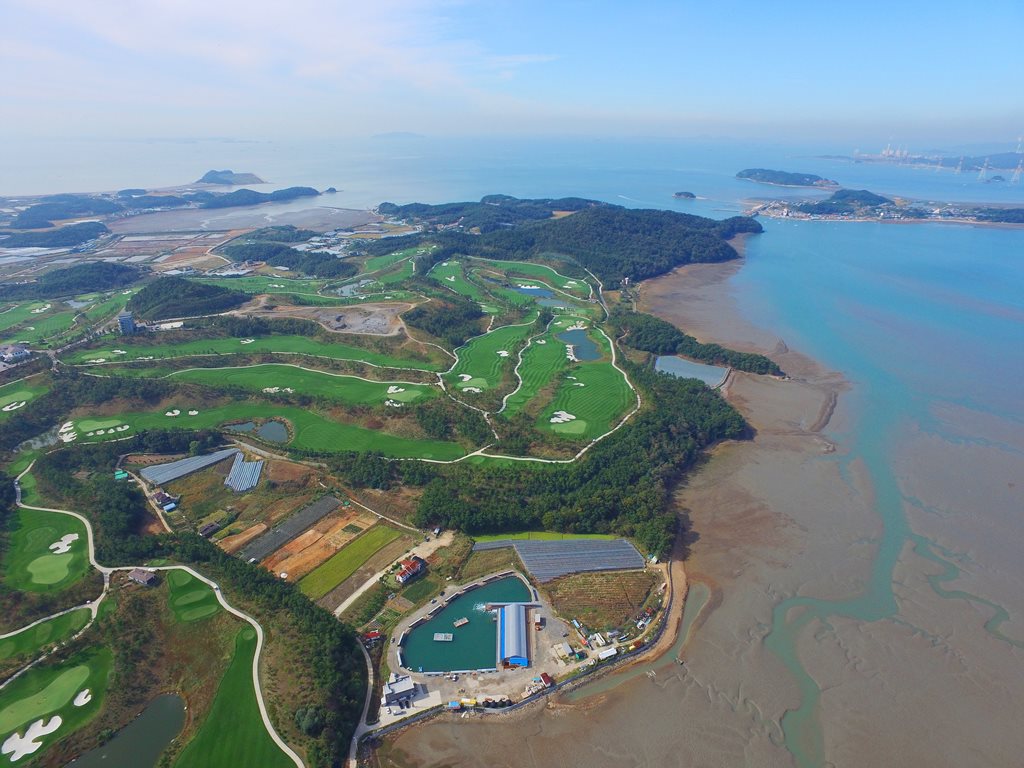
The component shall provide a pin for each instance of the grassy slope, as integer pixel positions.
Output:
(576, 286)
(233, 733)
(191, 599)
(479, 357)
(346, 562)
(450, 275)
(44, 635)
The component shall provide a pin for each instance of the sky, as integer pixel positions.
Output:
(912, 71)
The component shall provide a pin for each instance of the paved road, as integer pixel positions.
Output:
(106, 571)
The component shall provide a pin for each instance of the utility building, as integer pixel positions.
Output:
(513, 646)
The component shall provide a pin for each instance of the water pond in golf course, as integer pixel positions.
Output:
(712, 375)
(273, 431)
(584, 347)
(140, 743)
(473, 645)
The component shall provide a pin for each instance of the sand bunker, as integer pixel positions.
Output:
(247, 341)
(175, 412)
(15, 406)
(527, 287)
(465, 377)
(63, 544)
(392, 403)
(475, 390)
(18, 746)
(84, 697)
(445, 263)
(577, 327)
(123, 428)
(502, 353)
(42, 309)
(147, 357)
(97, 360)
(570, 353)
(579, 384)
(69, 437)
(190, 413)
(450, 278)
(67, 426)
(392, 390)
(118, 352)
(562, 417)
(541, 341)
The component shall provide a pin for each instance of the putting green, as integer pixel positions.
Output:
(577, 427)
(29, 564)
(90, 425)
(191, 599)
(50, 698)
(50, 569)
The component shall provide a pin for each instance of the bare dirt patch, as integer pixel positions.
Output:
(232, 544)
(304, 553)
(380, 319)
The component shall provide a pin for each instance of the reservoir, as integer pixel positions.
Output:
(473, 645)
(712, 375)
(583, 345)
(140, 743)
(274, 431)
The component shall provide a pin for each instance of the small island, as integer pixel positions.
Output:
(684, 196)
(785, 178)
(229, 177)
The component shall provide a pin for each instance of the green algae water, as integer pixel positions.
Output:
(473, 644)
(927, 321)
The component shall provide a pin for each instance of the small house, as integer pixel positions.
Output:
(411, 569)
(142, 576)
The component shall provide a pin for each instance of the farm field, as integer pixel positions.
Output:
(34, 562)
(307, 551)
(578, 287)
(601, 600)
(451, 275)
(348, 389)
(284, 345)
(20, 392)
(309, 430)
(44, 635)
(49, 694)
(480, 366)
(190, 599)
(597, 405)
(233, 733)
(541, 363)
(346, 561)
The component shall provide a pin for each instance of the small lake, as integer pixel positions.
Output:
(712, 375)
(273, 431)
(584, 346)
(140, 743)
(245, 426)
(537, 292)
(473, 645)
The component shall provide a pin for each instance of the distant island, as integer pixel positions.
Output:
(230, 178)
(684, 196)
(785, 178)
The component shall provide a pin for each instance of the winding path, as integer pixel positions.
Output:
(94, 606)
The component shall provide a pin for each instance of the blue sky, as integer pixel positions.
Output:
(938, 71)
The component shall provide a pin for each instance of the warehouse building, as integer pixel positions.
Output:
(513, 643)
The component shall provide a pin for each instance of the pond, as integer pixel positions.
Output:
(274, 431)
(584, 347)
(245, 426)
(140, 743)
(536, 292)
(473, 645)
(712, 375)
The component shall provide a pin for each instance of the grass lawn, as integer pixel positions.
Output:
(50, 690)
(233, 733)
(19, 313)
(265, 284)
(402, 272)
(348, 389)
(576, 286)
(284, 345)
(191, 599)
(43, 328)
(346, 562)
(18, 392)
(541, 363)
(420, 590)
(542, 536)
(375, 263)
(480, 361)
(309, 430)
(451, 275)
(604, 398)
(44, 635)
(31, 566)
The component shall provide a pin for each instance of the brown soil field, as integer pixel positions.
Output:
(281, 508)
(381, 560)
(287, 471)
(232, 544)
(601, 600)
(149, 459)
(380, 319)
(305, 552)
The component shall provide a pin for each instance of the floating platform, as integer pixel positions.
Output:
(443, 637)
(461, 622)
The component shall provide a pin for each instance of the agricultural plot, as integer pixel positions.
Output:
(601, 600)
(35, 639)
(17, 394)
(451, 275)
(346, 561)
(308, 430)
(190, 598)
(484, 360)
(233, 733)
(308, 550)
(543, 359)
(271, 378)
(282, 345)
(578, 287)
(50, 702)
(47, 553)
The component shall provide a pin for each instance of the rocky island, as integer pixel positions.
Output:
(230, 178)
(785, 178)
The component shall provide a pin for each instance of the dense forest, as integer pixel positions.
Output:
(229, 177)
(310, 263)
(491, 213)
(81, 278)
(57, 207)
(620, 487)
(249, 197)
(59, 237)
(784, 178)
(454, 319)
(844, 201)
(1001, 215)
(654, 335)
(177, 297)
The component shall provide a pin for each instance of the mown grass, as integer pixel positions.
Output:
(375, 263)
(541, 363)
(452, 275)
(190, 598)
(256, 284)
(31, 566)
(576, 286)
(42, 328)
(18, 391)
(283, 344)
(348, 389)
(44, 635)
(346, 561)
(480, 360)
(233, 733)
(604, 398)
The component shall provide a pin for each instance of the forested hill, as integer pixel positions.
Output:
(784, 178)
(613, 242)
(81, 278)
(491, 213)
(177, 297)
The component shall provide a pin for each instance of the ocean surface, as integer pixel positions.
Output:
(920, 615)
